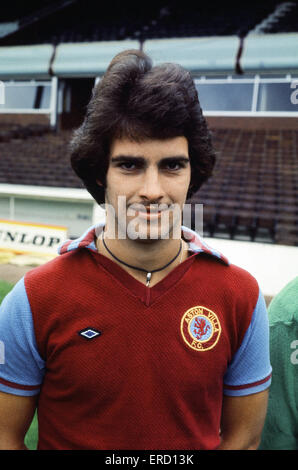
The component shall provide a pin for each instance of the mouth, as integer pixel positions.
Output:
(149, 215)
(148, 212)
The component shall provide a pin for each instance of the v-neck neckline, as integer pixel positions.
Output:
(196, 245)
(146, 294)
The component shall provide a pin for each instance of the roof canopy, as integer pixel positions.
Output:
(24, 62)
(205, 54)
(270, 53)
(87, 59)
(213, 55)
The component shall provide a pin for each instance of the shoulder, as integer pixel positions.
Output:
(58, 279)
(217, 268)
(241, 278)
(234, 282)
(284, 306)
(57, 269)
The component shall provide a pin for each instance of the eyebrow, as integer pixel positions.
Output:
(141, 159)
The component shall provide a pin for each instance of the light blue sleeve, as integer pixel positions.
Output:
(21, 367)
(250, 369)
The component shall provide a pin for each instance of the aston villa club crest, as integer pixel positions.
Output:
(200, 328)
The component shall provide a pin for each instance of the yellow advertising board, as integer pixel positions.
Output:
(24, 237)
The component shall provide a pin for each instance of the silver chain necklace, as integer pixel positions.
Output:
(148, 273)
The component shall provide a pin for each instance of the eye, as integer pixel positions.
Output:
(173, 165)
(127, 166)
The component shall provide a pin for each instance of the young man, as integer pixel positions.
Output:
(136, 338)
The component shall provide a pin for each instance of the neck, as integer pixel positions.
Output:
(146, 254)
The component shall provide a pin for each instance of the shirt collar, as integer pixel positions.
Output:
(88, 240)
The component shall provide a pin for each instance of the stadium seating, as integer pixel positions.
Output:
(84, 21)
(37, 160)
(284, 23)
(252, 195)
(15, 131)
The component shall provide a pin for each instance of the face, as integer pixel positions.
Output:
(146, 186)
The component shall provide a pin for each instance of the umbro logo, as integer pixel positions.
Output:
(89, 333)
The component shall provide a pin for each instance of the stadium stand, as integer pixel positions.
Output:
(284, 19)
(38, 160)
(253, 194)
(12, 131)
(84, 21)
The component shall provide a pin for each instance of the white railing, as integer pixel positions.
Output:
(254, 82)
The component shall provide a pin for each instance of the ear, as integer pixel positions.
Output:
(99, 182)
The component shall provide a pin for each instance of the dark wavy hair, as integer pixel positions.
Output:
(138, 101)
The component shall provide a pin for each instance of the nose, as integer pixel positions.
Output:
(151, 186)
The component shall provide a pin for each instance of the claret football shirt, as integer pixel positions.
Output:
(118, 365)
